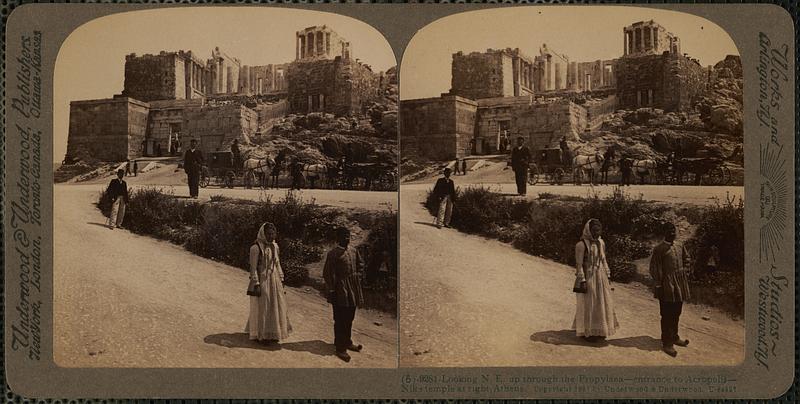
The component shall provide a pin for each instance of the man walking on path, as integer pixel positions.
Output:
(457, 167)
(464, 167)
(520, 160)
(445, 192)
(342, 274)
(118, 191)
(193, 164)
(135, 168)
(671, 287)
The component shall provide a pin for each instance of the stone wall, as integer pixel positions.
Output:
(668, 81)
(272, 111)
(154, 77)
(494, 73)
(684, 81)
(107, 129)
(481, 75)
(216, 127)
(339, 86)
(438, 128)
(543, 124)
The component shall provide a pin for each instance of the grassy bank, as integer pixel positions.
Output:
(223, 229)
(550, 226)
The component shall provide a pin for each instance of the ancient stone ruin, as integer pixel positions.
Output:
(172, 97)
(499, 95)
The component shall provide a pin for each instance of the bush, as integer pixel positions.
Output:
(720, 228)
(478, 210)
(295, 255)
(225, 229)
(550, 226)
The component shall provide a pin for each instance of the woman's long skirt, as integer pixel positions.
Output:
(269, 314)
(595, 314)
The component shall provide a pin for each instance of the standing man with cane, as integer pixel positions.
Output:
(520, 160)
(193, 164)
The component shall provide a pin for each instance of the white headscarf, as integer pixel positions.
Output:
(263, 243)
(595, 254)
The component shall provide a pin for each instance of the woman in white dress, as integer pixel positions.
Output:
(269, 317)
(595, 318)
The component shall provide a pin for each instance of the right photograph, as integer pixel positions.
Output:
(572, 190)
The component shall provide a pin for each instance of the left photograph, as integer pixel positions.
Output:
(225, 191)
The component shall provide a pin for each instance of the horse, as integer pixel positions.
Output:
(259, 168)
(588, 164)
(314, 172)
(644, 168)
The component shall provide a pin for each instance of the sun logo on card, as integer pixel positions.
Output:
(772, 201)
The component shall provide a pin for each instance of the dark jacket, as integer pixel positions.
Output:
(116, 188)
(520, 158)
(192, 161)
(342, 274)
(668, 268)
(444, 187)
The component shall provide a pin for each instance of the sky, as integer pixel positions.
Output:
(91, 62)
(582, 33)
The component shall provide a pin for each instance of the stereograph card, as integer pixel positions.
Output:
(399, 201)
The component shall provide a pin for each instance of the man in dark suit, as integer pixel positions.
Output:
(193, 164)
(445, 192)
(342, 274)
(669, 269)
(118, 192)
(520, 160)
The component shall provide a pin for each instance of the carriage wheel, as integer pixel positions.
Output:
(204, 180)
(716, 176)
(533, 175)
(229, 179)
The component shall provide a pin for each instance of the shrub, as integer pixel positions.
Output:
(478, 210)
(295, 255)
(551, 231)
(225, 229)
(720, 227)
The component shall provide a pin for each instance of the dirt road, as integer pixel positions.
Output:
(499, 178)
(124, 300)
(469, 301)
(346, 199)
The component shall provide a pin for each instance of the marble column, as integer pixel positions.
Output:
(655, 39)
(624, 42)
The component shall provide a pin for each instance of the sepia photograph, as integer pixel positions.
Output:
(225, 191)
(571, 190)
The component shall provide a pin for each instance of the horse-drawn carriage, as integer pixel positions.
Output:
(547, 165)
(701, 170)
(368, 176)
(221, 169)
(687, 170)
